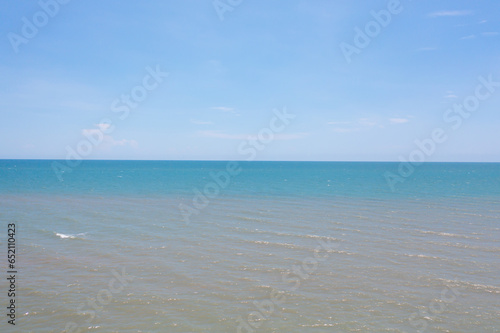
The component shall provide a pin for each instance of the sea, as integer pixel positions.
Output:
(221, 246)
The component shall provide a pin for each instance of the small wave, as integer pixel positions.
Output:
(471, 285)
(75, 236)
(423, 256)
(446, 234)
(319, 325)
(277, 233)
(287, 245)
(467, 246)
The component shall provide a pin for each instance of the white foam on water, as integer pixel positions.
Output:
(75, 236)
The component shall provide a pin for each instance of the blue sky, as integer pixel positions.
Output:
(225, 78)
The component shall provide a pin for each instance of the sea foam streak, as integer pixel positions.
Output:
(79, 236)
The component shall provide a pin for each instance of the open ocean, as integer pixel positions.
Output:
(195, 246)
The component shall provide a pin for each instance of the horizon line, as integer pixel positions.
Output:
(225, 160)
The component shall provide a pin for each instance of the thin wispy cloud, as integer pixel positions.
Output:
(469, 37)
(290, 136)
(484, 34)
(367, 122)
(103, 126)
(490, 33)
(226, 136)
(107, 141)
(445, 13)
(398, 120)
(338, 122)
(345, 130)
(123, 142)
(222, 108)
(352, 126)
(355, 126)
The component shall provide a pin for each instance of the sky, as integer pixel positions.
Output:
(205, 80)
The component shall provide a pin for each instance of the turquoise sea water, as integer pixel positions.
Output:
(186, 246)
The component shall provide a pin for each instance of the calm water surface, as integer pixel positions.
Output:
(132, 246)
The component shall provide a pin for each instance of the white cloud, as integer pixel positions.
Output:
(222, 135)
(222, 108)
(345, 130)
(398, 120)
(290, 136)
(103, 127)
(106, 141)
(366, 122)
(469, 37)
(450, 13)
(358, 125)
(123, 142)
(338, 122)
(92, 132)
(427, 49)
(490, 33)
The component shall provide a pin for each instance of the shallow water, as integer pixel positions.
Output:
(284, 247)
